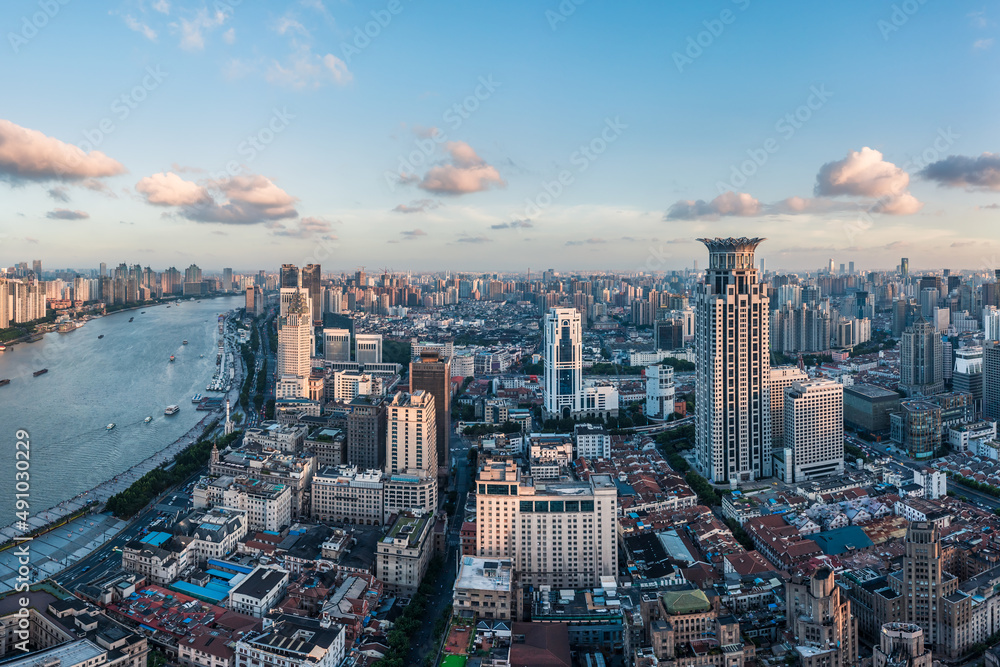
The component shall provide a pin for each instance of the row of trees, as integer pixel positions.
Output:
(132, 500)
(412, 619)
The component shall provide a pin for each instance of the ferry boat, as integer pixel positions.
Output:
(4, 382)
(41, 372)
(172, 410)
(147, 420)
(196, 399)
(110, 426)
(171, 357)
(184, 342)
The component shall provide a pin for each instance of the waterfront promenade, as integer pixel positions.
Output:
(110, 487)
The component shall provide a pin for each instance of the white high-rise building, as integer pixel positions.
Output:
(411, 435)
(348, 385)
(368, 348)
(295, 343)
(336, 344)
(781, 377)
(732, 376)
(6, 305)
(659, 391)
(563, 363)
(814, 430)
(558, 533)
(991, 323)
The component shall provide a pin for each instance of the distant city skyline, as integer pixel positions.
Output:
(612, 137)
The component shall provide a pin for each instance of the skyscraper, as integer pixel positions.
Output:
(432, 373)
(227, 280)
(559, 533)
(824, 632)
(921, 360)
(563, 363)
(192, 274)
(780, 378)
(336, 344)
(814, 430)
(289, 276)
(295, 345)
(732, 375)
(411, 435)
(901, 645)
(991, 380)
(922, 582)
(366, 433)
(311, 282)
(368, 348)
(904, 269)
(968, 375)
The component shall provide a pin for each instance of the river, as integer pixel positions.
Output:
(121, 378)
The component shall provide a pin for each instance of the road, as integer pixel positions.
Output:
(104, 560)
(423, 642)
(871, 450)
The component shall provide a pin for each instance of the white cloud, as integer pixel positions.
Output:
(140, 27)
(729, 203)
(238, 200)
(29, 155)
(465, 173)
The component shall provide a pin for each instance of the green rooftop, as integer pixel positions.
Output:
(685, 602)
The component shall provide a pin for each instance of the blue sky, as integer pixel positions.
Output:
(898, 100)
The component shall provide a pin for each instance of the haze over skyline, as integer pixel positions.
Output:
(463, 137)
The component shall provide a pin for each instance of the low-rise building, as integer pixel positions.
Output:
(345, 494)
(591, 441)
(268, 506)
(483, 589)
(402, 556)
(272, 435)
(259, 591)
(293, 641)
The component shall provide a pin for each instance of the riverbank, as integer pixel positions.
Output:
(105, 490)
(100, 493)
(139, 306)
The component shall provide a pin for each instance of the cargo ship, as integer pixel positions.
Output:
(41, 372)
(172, 410)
